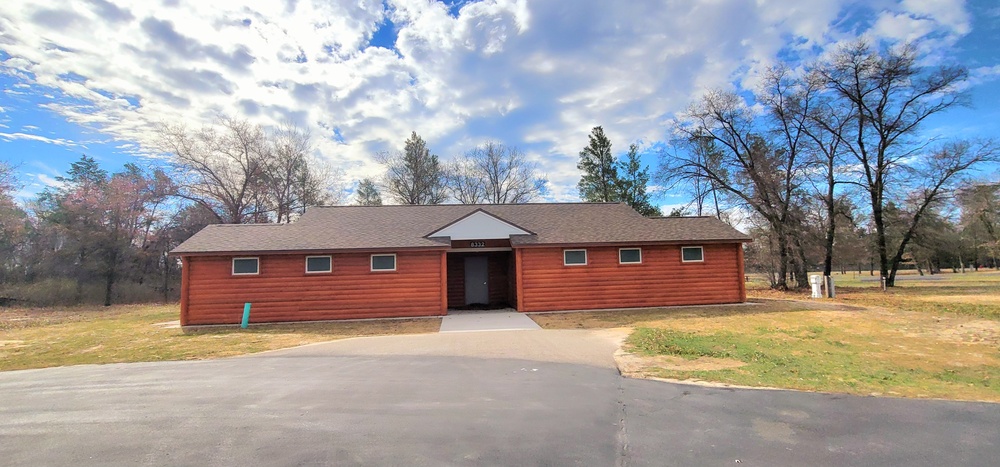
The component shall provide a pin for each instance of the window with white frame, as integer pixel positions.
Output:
(629, 255)
(384, 262)
(319, 264)
(246, 266)
(574, 257)
(692, 254)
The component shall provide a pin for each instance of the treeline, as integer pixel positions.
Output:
(495, 173)
(830, 165)
(99, 237)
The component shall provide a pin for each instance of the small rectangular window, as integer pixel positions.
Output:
(629, 255)
(245, 266)
(315, 264)
(692, 254)
(574, 257)
(383, 262)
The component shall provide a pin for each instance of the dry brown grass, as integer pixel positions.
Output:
(38, 338)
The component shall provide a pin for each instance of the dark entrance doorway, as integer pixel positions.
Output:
(477, 277)
(480, 279)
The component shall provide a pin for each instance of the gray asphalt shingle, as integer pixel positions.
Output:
(387, 227)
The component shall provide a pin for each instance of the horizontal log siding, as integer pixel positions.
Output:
(661, 280)
(456, 280)
(284, 292)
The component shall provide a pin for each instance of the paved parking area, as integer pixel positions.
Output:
(518, 398)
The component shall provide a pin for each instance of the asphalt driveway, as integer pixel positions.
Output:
(547, 399)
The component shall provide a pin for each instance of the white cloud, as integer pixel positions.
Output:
(48, 181)
(43, 139)
(538, 75)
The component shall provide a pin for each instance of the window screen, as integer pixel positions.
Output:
(629, 255)
(574, 257)
(319, 264)
(692, 253)
(383, 262)
(245, 266)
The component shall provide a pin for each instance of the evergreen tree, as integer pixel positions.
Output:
(600, 174)
(414, 176)
(632, 183)
(367, 193)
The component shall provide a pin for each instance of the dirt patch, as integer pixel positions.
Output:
(962, 331)
(639, 366)
(169, 325)
(980, 299)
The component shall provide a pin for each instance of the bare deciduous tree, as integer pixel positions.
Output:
(221, 170)
(242, 173)
(887, 95)
(756, 173)
(494, 173)
(464, 181)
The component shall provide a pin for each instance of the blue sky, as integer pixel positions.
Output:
(96, 77)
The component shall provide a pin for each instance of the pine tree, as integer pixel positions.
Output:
(632, 183)
(367, 193)
(414, 176)
(600, 174)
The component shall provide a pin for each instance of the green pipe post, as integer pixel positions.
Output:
(246, 316)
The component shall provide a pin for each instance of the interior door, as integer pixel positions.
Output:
(477, 289)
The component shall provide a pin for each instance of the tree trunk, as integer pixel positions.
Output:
(802, 272)
(831, 225)
(166, 278)
(883, 256)
(715, 196)
(109, 279)
(782, 282)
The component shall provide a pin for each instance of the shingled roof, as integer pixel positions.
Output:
(399, 227)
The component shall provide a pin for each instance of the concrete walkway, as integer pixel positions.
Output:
(580, 347)
(500, 320)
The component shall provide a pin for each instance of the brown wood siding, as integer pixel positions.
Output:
(456, 280)
(498, 284)
(661, 280)
(284, 292)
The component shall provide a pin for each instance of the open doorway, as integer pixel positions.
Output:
(480, 280)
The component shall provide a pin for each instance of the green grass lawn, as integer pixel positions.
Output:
(937, 339)
(38, 338)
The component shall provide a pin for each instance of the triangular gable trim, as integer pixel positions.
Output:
(514, 228)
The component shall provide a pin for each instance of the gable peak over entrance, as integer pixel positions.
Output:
(479, 225)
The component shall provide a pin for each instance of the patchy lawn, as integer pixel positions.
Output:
(38, 338)
(934, 339)
(972, 294)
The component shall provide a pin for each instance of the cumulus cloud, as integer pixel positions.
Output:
(534, 74)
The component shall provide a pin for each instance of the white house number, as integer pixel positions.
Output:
(477, 244)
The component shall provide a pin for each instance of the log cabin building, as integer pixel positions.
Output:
(346, 262)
